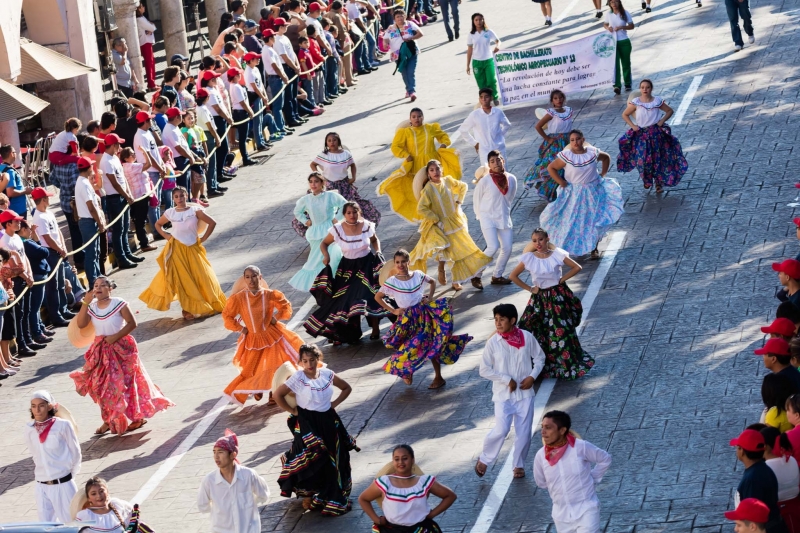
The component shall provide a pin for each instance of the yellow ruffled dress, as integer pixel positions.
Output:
(421, 143)
(444, 235)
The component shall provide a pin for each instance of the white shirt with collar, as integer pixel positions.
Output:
(486, 129)
(571, 481)
(233, 506)
(173, 137)
(492, 207)
(501, 363)
(145, 139)
(58, 455)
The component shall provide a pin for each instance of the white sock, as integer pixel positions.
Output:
(547, 18)
(599, 11)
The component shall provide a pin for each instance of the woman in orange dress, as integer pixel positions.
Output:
(264, 344)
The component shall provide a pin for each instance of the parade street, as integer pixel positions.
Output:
(672, 308)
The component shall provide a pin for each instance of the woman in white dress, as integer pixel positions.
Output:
(558, 121)
(405, 498)
(110, 515)
(588, 203)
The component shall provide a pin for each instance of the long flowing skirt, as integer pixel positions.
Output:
(423, 332)
(426, 526)
(552, 316)
(115, 379)
(185, 274)
(538, 176)
(258, 356)
(350, 193)
(318, 464)
(457, 249)
(655, 153)
(345, 298)
(581, 215)
(304, 279)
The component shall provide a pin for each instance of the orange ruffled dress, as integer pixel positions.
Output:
(265, 347)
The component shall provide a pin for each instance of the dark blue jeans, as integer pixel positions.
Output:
(409, 74)
(275, 86)
(211, 170)
(360, 55)
(91, 255)
(22, 311)
(448, 6)
(291, 108)
(257, 123)
(181, 165)
(240, 115)
(735, 10)
(37, 298)
(115, 204)
(308, 87)
(55, 292)
(331, 76)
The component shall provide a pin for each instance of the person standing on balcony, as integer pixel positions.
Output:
(147, 39)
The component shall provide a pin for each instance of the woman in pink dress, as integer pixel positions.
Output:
(113, 375)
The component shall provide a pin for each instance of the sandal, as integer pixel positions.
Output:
(519, 473)
(136, 425)
(258, 396)
(102, 430)
(480, 468)
(457, 287)
(442, 275)
(437, 385)
(409, 380)
(187, 316)
(659, 189)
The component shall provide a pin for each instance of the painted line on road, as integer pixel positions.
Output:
(301, 315)
(184, 447)
(501, 485)
(687, 101)
(561, 16)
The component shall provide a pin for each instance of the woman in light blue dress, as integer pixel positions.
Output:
(587, 204)
(317, 210)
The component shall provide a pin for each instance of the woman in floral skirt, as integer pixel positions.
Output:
(424, 327)
(553, 313)
(649, 145)
(558, 120)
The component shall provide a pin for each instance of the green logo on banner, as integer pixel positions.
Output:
(604, 45)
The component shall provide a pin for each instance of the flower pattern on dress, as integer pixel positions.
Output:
(538, 176)
(655, 153)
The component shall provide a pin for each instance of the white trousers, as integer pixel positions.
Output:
(52, 501)
(519, 412)
(588, 522)
(502, 239)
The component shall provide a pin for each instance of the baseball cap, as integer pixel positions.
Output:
(279, 21)
(143, 116)
(113, 138)
(780, 326)
(790, 267)
(749, 440)
(84, 162)
(201, 93)
(40, 192)
(233, 72)
(173, 112)
(796, 220)
(250, 24)
(751, 510)
(249, 56)
(314, 6)
(8, 215)
(266, 34)
(210, 75)
(774, 346)
(178, 56)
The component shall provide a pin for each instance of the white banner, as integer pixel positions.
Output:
(580, 65)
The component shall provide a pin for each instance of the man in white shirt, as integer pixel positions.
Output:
(90, 219)
(10, 240)
(144, 140)
(291, 67)
(276, 79)
(512, 360)
(233, 493)
(486, 128)
(564, 468)
(56, 457)
(256, 97)
(492, 201)
(118, 195)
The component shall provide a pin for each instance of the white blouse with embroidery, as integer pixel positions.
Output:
(545, 272)
(353, 246)
(407, 293)
(581, 168)
(647, 113)
(108, 321)
(313, 394)
(560, 122)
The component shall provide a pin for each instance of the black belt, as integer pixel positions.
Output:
(272, 76)
(64, 479)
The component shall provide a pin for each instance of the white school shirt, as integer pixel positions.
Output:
(482, 44)
(47, 225)
(487, 129)
(313, 394)
(615, 21)
(61, 142)
(501, 363)
(234, 506)
(252, 76)
(214, 98)
(788, 476)
(238, 95)
(647, 113)
(110, 164)
(108, 523)
(58, 455)
(545, 272)
(173, 137)
(84, 192)
(13, 243)
(492, 207)
(269, 57)
(204, 117)
(571, 481)
(146, 139)
(407, 293)
(284, 47)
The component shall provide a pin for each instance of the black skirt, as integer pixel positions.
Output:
(426, 526)
(318, 465)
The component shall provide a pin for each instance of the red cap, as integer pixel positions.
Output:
(279, 21)
(210, 75)
(143, 116)
(41, 192)
(751, 510)
(249, 56)
(201, 93)
(84, 163)
(173, 112)
(113, 138)
(233, 72)
(9, 215)
(266, 34)
(790, 267)
(774, 346)
(780, 326)
(314, 6)
(796, 220)
(750, 440)
(797, 185)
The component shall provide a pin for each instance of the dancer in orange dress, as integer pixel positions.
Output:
(265, 344)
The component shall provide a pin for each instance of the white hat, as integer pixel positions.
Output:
(540, 114)
(43, 395)
(284, 372)
(634, 94)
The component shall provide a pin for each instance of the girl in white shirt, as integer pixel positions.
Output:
(109, 514)
(64, 148)
(425, 326)
(482, 44)
(620, 21)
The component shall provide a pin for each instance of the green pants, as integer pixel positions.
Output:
(623, 62)
(485, 75)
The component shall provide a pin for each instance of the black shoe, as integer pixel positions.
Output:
(599, 15)
(332, 96)
(220, 188)
(59, 324)
(126, 265)
(49, 332)
(616, 90)
(457, 35)
(43, 339)
(548, 22)
(223, 179)
(288, 132)
(303, 120)
(135, 258)
(648, 10)
(364, 72)
(248, 163)
(327, 102)
(287, 129)
(628, 89)
(215, 194)
(35, 346)
(263, 147)
(450, 38)
(644, 5)
(25, 352)
(293, 124)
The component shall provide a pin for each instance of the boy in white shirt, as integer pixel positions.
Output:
(512, 360)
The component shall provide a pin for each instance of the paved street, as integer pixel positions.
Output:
(672, 327)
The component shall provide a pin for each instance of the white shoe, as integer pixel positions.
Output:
(751, 39)
(737, 48)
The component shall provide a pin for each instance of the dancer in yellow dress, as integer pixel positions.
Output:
(415, 143)
(444, 235)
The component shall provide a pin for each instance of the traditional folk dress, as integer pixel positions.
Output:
(488, 130)
(233, 506)
(424, 331)
(115, 521)
(553, 315)
(320, 209)
(113, 375)
(265, 347)
(348, 296)
(421, 144)
(318, 464)
(56, 455)
(492, 201)
(515, 355)
(558, 127)
(184, 274)
(586, 208)
(444, 235)
(652, 150)
(406, 509)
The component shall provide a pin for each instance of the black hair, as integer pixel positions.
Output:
(339, 139)
(200, 100)
(89, 143)
(207, 63)
(472, 21)
(793, 402)
(311, 30)
(93, 125)
(506, 311)
(788, 310)
(648, 81)
(311, 349)
(771, 434)
(753, 456)
(416, 110)
(107, 119)
(236, 5)
(110, 282)
(126, 153)
(794, 347)
(122, 109)
(224, 21)
(95, 481)
(4, 254)
(294, 4)
(6, 150)
(775, 389)
(406, 447)
(180, 189)
(782, 359)
(302, 39)
(317, 175)
(624, 14)
(398, 11)
(229, 47)
(71, 124)
(757, 426)
(402, 252)
(485, 91)
(494, 153)
(560, 419)
(576, 132)
(354, 205)
(170, 73)
(325, 23)
(555, 92)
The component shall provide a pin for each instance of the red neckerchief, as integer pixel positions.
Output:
(553, 454)
(501, 180)
(514, 337)
(43, 428)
